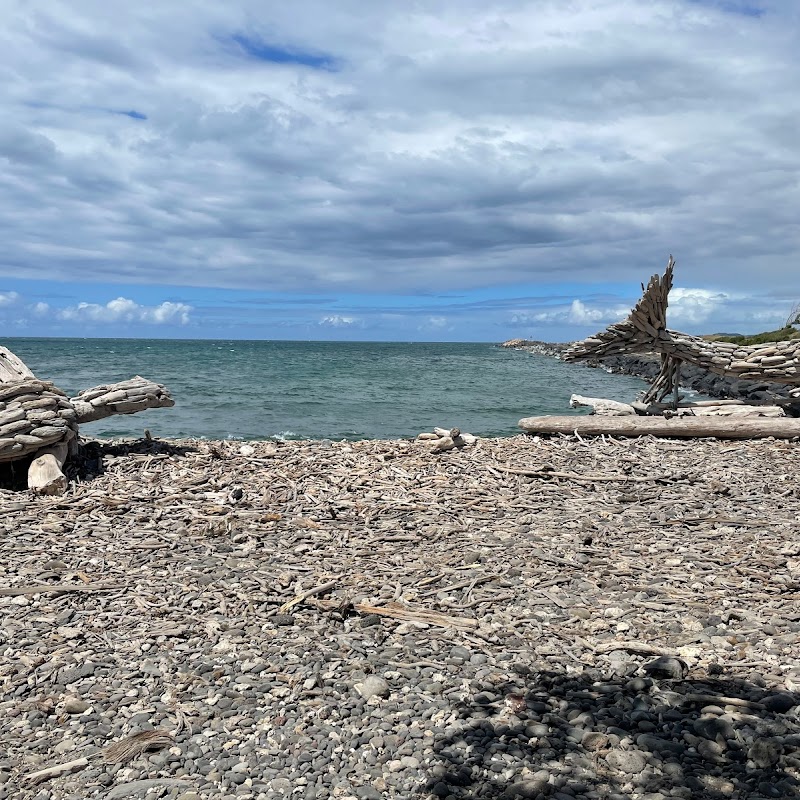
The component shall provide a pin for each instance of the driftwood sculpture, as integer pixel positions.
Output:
(38, 419)
(645, 331)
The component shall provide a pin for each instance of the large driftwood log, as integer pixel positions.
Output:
(677, 427)
(645, 330)
(38, 419)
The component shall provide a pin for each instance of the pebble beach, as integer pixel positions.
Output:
(525, 617)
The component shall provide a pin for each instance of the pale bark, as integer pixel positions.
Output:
(680, 427)
(45, 474)
(602, 407)
(38, 419)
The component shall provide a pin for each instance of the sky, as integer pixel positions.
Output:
(443, 170)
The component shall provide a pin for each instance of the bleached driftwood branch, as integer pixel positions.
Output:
(602, 407)
(679, 427)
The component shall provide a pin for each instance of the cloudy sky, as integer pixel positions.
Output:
(430, 169)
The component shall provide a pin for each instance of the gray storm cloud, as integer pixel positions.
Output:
(349, 147)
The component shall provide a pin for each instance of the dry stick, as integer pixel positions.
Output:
(55, 772)
(744, 523)
(472, 582)
(637, 648)
(398, 611)
(715, 699)
(57, 588)
(543, 473)
(551, 597)
(554, 559)
(325, 587)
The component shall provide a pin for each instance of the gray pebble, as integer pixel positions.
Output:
(630, 762)
(372, 686)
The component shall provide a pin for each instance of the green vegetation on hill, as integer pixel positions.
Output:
(782, 335)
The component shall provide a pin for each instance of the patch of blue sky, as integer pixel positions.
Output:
(132, 114)
(255, 48)
(741, 7)
(494, 296)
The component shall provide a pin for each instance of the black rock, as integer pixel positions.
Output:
(780, 702)
(667, 667)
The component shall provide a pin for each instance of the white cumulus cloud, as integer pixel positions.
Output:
(694, 305)
(582, 314)
(337, 321)
(577, 313)
(8, 298)
(124, 310)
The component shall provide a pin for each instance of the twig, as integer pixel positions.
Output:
(471, 582)
(398, 611)
(721, 700)
(55, 772)
(325, 587)
(637, 648)
(57, 588)
(571, 476)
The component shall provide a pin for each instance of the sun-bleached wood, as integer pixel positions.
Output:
(645, 330)
(676, 427)
(45, 474)
(38, 419)
(601, 406)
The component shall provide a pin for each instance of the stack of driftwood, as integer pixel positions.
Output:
(645, 330)
(39, 422)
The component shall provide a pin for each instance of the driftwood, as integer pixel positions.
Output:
(602, 407)
(38, 420)
(448, 439)
(645, 330)
(730, 411)
(405, 613)
(677, 427)
(44, 473)
(55, 771)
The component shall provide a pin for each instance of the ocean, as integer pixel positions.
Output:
(321, 390)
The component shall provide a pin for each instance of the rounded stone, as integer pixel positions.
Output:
(373, 686)
(630, 762)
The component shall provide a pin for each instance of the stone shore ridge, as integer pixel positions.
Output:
(647, 365)
(371, 620)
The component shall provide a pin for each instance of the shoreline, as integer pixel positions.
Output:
(368, 619)
(647, 365)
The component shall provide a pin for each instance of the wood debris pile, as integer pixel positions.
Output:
(645, 330)
(38, 420)
(193, 561)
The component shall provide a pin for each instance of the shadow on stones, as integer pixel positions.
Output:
(90, 461)
(564, 736)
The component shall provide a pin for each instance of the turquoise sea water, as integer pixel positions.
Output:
(315, 390)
